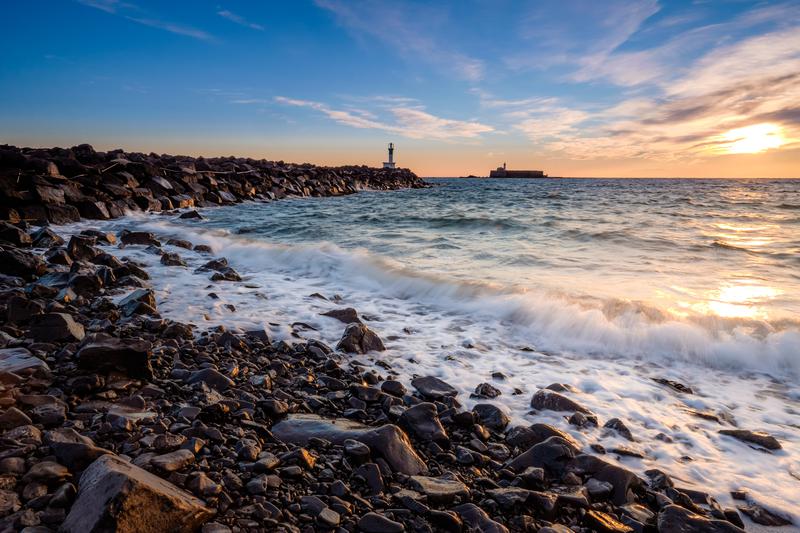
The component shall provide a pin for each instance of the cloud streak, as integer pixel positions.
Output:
(134, 13)
(411, 122)
(238, 19)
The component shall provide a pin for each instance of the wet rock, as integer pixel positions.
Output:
(11, 234)
(675, 519)
(548, 400)
(486, 390)
(226, 274)
(139, 302)
(440, 490)
(378, 523)
(552, 454)
(759, 438)
(762, 516)
(117, 496)
(19, 263)
(358, 338)
(129, 355)
(619, 426)
(81, 248)
(56, 327)
(604, 522)
(20, 361)
(13, 418)
(393, 388)
(47, 472)
(172, 259)
(388, 441)
(423, 421)
(212, 378)
(477, 520)
(73, 450)
(347, 315)
(491, 416)
(46, 238)
(433, 388)
(170, 462)
(674, 385)
(525, 437)
(20, 309)
(180, 243)
(144, 238)
(191, 215)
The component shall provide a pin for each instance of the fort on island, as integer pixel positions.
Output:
(503, 172)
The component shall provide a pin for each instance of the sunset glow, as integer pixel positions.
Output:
(754, 139)
(619, 88)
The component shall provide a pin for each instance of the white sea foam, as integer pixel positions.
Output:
(463, 332)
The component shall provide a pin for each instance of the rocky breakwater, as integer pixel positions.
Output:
(64, 185)
(115, 418)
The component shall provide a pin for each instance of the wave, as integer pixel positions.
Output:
(459, 222)
(551, 322)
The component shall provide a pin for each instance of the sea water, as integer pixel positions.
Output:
(601, 284)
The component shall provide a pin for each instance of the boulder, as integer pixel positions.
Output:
(676, 519)
(347, 315)
(11, 234)
(56, 327)
(378, 523)
(553, 454)
(172, 259)
(139, 302)
(423, 421)
(145, 238)
(129, 355)
(759, 438)
(72, 449)
(476, 519)
(619, 426)
(22, 264)
(387, 441)
(226, 274)
(117, 496)
(81, 248)
(440, 490)
(21, 362)
(491, 416)
(358, 338)
(549, 400)
(433, 388)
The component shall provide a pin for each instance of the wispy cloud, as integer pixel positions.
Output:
(134, 13)
(406, 30)
(238, 19)
(411, 122)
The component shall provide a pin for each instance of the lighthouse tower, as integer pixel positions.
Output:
(390, 162)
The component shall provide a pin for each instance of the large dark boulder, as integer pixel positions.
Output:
(676, 519)
(759, 438)
(138, 237)
(139, 302)
(56, 327)
(548, 400)
(387, 441)
(129, 355)
(117, 496)
(423, 421)
(433, 388)
(554, 455)
(358, 338)
(11, 234)
(491, 416)
(19, 263)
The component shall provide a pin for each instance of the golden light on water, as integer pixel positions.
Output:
(741, 300)
(753, 139)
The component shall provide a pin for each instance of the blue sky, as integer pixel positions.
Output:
(619, 87)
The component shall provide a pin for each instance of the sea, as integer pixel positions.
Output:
(604, 285)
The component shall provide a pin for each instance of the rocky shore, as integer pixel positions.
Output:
(64, 185)
(115, 418)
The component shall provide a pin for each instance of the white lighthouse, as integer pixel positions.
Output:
(390, 162)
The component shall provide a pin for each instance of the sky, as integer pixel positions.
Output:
(627, 88)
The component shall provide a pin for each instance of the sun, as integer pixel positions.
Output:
(753, 139)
